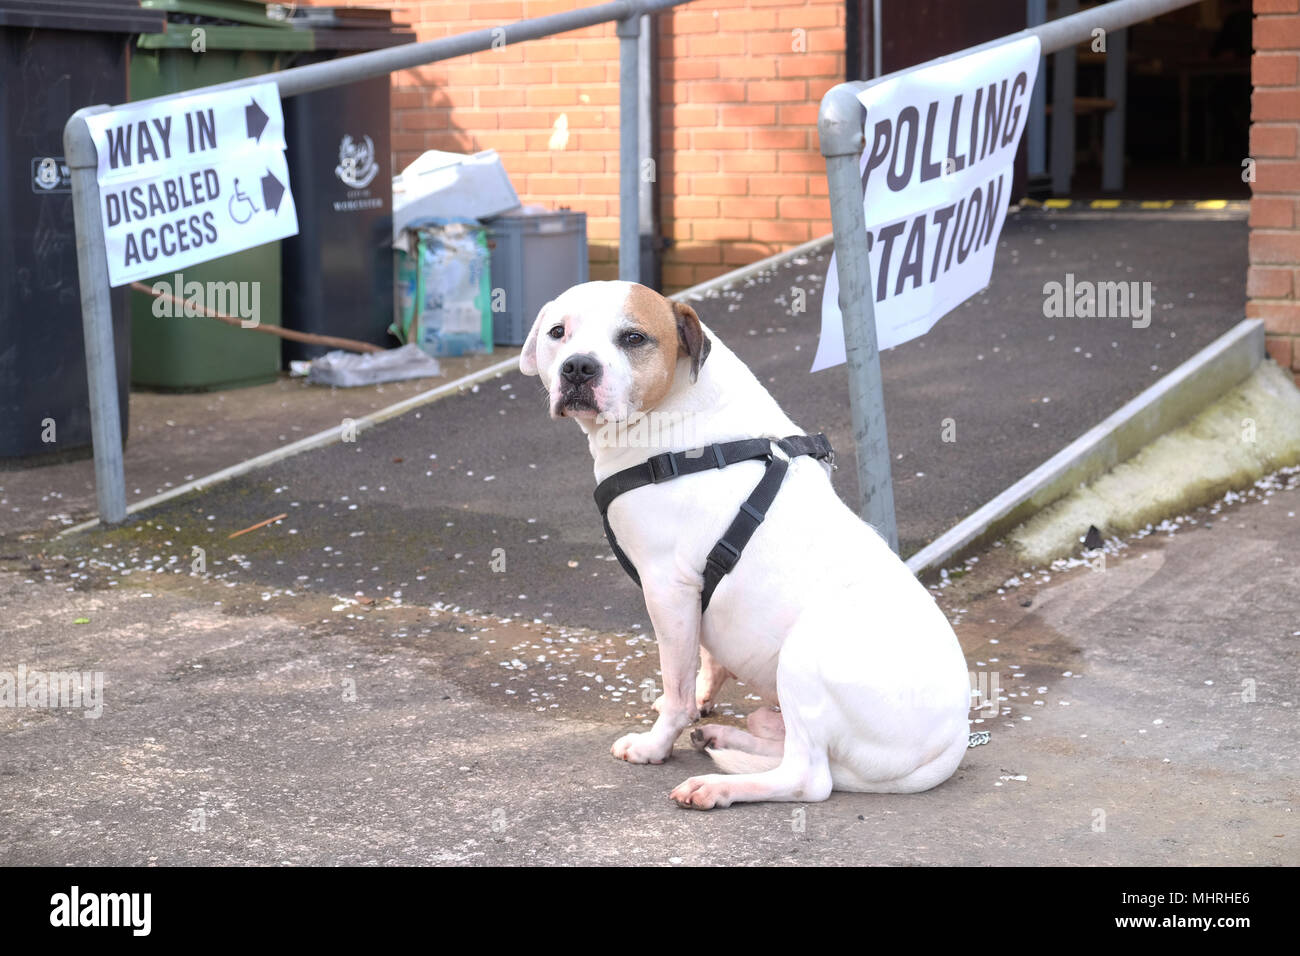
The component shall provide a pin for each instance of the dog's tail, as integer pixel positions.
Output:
(737, 761)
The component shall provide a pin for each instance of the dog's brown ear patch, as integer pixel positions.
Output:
(690, 337)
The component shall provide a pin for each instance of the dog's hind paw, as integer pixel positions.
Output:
(703, 793)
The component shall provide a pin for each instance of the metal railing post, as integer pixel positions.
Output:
(629, 128)
(877, 41)
(1036, 127)
(647, 156)
(92, 264)
(1112, 134)
(1063, 78)
(840, 126)
(96, 317)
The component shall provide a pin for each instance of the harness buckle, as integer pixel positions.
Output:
(673, 469)
(723, 556)
(828, 455)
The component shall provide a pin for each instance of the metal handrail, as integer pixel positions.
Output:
(842, 135)
(92, 265)
(363, 66)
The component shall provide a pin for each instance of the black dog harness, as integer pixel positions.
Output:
(671, 465)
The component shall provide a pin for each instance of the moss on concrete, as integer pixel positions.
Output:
(1252, 430)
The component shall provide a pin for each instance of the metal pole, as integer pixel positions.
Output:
(96, 317)
(840, 124)
(363, 66)
(92, 264)
(840, 127)
(1036, 126)
(877, 41)
(646, 155)
(629, 128)
(1063, 78)
(1112, 157)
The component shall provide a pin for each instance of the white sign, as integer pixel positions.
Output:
(936, 178)
(192, 178)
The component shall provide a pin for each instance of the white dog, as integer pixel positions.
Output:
(818, 616)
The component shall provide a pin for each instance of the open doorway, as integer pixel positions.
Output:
(1187, 125)
(1186, 106)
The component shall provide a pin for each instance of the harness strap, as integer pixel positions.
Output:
(726, 552)
(623, 559)
(664, 467)
(671, 465)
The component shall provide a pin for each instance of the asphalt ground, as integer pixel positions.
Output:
(175, 438)
(420, 503)
(1146, 716)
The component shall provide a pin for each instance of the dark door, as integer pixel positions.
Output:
(913, 31)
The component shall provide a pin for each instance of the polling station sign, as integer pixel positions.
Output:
(190, 178)
(936, 178)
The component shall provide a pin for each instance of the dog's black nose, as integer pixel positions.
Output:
(580, 369)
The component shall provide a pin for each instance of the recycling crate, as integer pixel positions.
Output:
(536, 255)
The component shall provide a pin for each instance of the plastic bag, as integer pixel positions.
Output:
(444, 289)
(347, 369)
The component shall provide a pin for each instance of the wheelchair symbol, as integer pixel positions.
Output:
(242, 198)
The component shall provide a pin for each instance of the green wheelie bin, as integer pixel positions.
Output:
(171, 352)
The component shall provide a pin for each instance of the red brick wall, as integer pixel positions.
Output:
(739, 170)
(741, 173)
(1274, 278)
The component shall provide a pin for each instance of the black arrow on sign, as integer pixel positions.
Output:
(272, 192)
(256, 119)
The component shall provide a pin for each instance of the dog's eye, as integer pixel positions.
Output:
(557, 332)
(632, 339)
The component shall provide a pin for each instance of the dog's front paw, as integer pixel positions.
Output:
(703, 793)
(640, 748)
